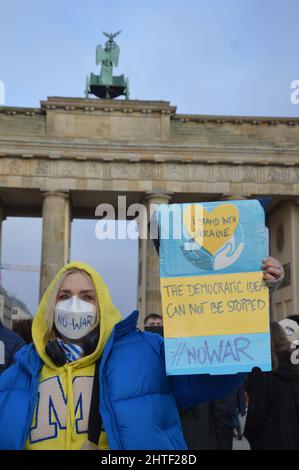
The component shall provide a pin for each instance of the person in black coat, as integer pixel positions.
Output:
(273, 408)
(10, 342)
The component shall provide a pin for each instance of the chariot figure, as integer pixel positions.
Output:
(106, 85)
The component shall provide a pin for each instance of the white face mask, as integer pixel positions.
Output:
(74, 318)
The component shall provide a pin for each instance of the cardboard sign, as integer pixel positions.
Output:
(214, 300)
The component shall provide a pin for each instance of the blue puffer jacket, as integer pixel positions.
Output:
(138, 402)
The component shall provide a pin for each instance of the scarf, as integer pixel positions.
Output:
(72, 351)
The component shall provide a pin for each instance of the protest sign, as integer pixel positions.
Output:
(214, 300)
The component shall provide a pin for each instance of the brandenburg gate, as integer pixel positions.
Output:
(63, 159)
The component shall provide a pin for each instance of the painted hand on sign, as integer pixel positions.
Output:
(229, 254)
(217, 240)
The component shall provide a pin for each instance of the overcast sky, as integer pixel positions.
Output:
(204, 56)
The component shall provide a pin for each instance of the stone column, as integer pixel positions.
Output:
(284, 245)
(149, 296)
(2, 295)
(2, 218)
(55, 235)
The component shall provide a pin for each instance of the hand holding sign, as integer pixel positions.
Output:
(272, 269)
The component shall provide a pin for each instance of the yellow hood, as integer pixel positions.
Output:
(109, 316)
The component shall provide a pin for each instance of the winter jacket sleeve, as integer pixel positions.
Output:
(192, 390)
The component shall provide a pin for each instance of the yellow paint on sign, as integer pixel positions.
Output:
(211, 230)
(215, 305)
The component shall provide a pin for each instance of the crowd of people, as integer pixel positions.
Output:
(91, 379)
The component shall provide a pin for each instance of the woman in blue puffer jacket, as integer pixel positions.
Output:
(93, 380)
